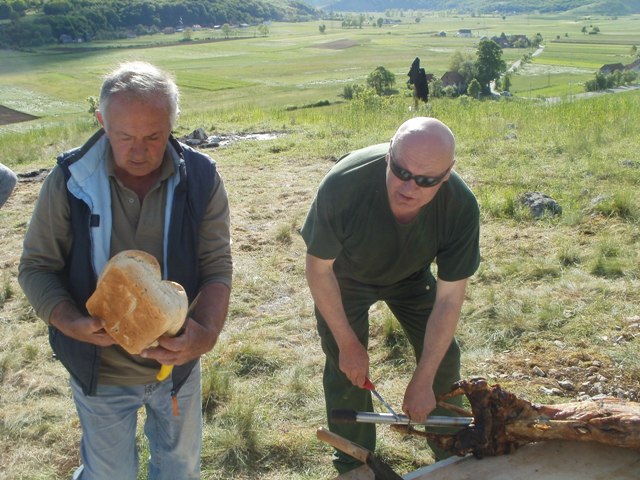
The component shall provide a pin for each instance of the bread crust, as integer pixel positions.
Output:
(137, 306)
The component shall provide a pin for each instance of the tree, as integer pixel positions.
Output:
(94, 103)
(435, 88)
(19, 6)
(57, 7)
(506, 82)
(5, 11)
(537, 41)
(474, 88)
(381, 80)
(463, 64)
(226, 30)
(380, 21)
(489, 64)
(350, 91)
(322, 28)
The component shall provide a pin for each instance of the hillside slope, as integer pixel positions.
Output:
(580, 7)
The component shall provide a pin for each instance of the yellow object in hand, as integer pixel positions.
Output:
(165, 371)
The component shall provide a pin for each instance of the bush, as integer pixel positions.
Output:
(615, 79)
(381, 80)
(350, 91)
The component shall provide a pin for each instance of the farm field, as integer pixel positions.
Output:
(296, 65)
(557, 295)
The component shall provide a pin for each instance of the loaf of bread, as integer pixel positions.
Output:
(137, 306)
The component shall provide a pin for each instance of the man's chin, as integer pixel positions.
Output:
(405, 202)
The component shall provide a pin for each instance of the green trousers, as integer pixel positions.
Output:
(411, 302)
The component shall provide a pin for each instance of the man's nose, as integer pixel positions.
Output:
(138, 148)
(409, 185)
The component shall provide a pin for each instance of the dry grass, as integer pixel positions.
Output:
(561, 294)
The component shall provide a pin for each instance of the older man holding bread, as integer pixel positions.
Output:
(132, 192)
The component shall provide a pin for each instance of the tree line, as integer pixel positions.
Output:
(39, 22)
(476, 73)
(489, 7)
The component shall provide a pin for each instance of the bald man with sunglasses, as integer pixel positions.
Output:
(381, 217)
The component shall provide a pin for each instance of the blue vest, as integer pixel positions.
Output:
(193, 185)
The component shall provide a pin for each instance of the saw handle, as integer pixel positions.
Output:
(368, 385)
(344, 445)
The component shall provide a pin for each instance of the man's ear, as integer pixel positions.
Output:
(99, 117)
(450, 170)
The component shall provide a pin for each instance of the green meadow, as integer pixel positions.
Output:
(560, 292)
(296, 64)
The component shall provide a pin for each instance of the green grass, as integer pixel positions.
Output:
(560, 292)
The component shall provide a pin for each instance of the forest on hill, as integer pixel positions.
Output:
(35, 23)
(578, 7)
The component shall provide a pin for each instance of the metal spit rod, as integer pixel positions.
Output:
(351, 416)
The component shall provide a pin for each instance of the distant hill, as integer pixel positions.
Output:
(578, 7)
(82, 21)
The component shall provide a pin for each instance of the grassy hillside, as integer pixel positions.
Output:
(560, 293)
(508, 7)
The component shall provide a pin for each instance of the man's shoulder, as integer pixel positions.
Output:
(357, 164)
(458, 197)
(191, 154)
(458, 186)
(364, 155)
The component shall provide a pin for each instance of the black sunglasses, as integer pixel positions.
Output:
(421, 180)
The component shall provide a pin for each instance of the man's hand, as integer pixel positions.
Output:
(201, 331)
(419, 401)
(70, 321)
(354, 362)
(353, 358)
(193, 342)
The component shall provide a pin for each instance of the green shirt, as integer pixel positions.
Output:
(351, 220)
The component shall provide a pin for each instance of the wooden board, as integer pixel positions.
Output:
(362, 473)
(552, 460)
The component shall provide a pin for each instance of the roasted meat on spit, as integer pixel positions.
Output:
(503, 422)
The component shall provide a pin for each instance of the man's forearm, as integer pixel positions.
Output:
(63, 314)
(211, 309)
(441, 328)
(439, 334)
(325, 291)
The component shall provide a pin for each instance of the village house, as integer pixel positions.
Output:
(512, 41)
(610, 68)
(633, 66)
(454, 79)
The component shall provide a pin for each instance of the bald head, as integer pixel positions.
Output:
(426, 138)
(419, 161)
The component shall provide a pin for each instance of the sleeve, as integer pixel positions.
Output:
(321, 231)
(459, 258)
(46, 245)
(8, 181)
(215, 239)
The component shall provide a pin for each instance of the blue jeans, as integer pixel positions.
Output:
(108, 446)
